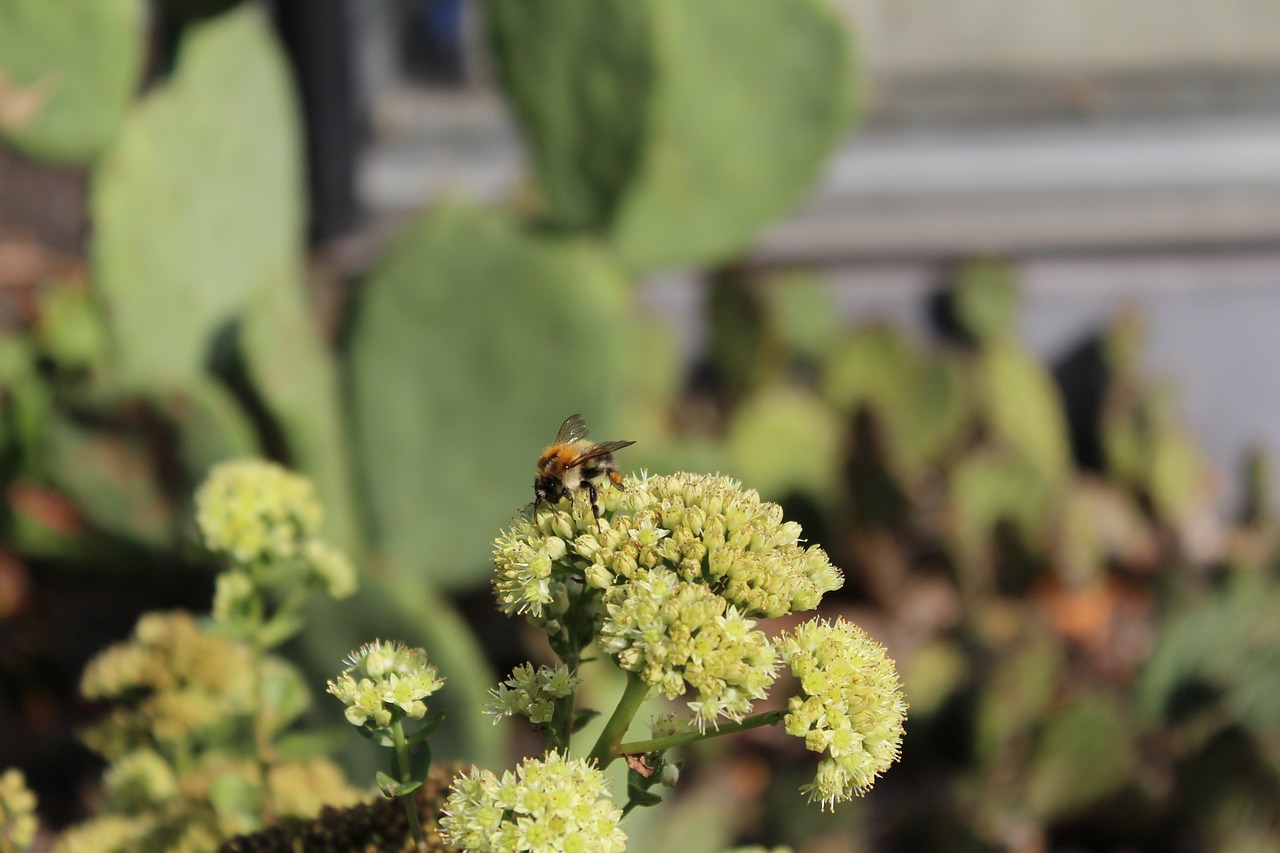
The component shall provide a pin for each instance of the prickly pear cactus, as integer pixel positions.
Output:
(472, 342)
(784, 440)
(200, 202)
(68, 71)
(295, 375)
(577, 73)
(680, 129)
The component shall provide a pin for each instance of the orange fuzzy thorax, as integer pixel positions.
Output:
(557, 457)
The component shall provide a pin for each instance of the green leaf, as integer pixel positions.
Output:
(236, 801)
(207, 422)
(419, 760)
(428, 725)
(392, 788)
(379, 737)
(473, 341)
(68, 71)
(1225, 645)
(417, 617)
(638, 796)
(874, 366)
(803, 314)
(285, 694)
(988, 487)
(199, 204)
(1017, 695)
(282, 627)
(747, 101)
(305, 745)
(70, 330)
(581, 718)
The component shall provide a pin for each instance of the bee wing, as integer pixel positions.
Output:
(595, 451)
(573, 429)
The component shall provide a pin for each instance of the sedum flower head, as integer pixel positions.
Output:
(679, 636)
(531, 693)
(553, 804)
(18, 823)
(140, 780)
(850, 706)
(707, 529)
(251, 509)
(385, 680)
(171, 682)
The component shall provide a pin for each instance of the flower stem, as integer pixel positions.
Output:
(755, 721)
(261, 736)
(410, 806)
(606, 748)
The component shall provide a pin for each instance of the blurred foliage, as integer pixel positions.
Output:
(686, 129)
(1090, 651)
(472, 340)
(1079, 633)
(219, 143)
(68, 72)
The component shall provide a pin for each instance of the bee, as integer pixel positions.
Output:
(572, 462)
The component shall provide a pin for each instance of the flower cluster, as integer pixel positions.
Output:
(254, 511)
(850, 706)
(552, 804)
(385, 681)
(678, 635)
(531, 693)
(171, 682)
(250, 509)
(705, 528)
(18, 822)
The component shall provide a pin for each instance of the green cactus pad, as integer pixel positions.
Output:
(1084, 754)
(200, 203)
(68, 70)
(110, 478)
(294, 372)
(1023, 407)
(578, 74)
(681, 129)
(748, 101)
(473, 341)
(785, 439)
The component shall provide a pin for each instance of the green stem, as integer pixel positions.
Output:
(562, 719)
(261, 737)
(406, 774)
(606, 748)
(755, 721)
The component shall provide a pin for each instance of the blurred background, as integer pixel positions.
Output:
(984, 292)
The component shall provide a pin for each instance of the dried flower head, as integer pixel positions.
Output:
(553, 804)
(850, 706)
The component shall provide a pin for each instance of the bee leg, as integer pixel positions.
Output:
(595, 507)
(616, 479)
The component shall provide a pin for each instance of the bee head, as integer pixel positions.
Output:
(548, 489)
